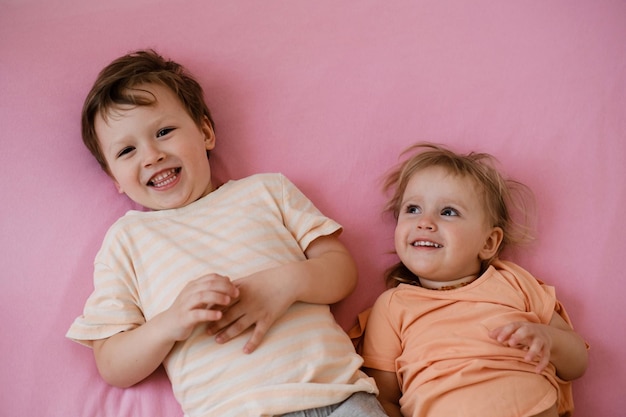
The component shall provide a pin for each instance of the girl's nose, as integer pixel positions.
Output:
(425, 223)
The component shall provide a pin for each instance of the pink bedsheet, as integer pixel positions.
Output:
(328, 93)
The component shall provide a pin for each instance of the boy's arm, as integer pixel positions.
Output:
(127, 358)
(556, 343)
(327, 275)
(389, 391)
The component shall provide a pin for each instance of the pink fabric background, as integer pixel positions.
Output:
(328, 93)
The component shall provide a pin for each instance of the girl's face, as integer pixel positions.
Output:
(156, 153)
(442, 232)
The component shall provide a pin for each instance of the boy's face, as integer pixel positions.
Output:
(442, 233)
(157, 154)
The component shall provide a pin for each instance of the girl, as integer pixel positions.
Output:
(461, 332)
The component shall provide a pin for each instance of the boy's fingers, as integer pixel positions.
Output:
(255, 340)
(205, 315)
(232, 330)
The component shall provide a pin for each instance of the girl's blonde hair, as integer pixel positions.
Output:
(503, 199)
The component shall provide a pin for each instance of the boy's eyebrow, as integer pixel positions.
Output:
(119, 139)
(114, 145)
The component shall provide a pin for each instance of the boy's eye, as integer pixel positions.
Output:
(448, 211)
(164, 132)
(125, 151)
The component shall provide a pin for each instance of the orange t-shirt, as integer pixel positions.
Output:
(437, 343)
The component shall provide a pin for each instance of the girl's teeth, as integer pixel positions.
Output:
(431, 244)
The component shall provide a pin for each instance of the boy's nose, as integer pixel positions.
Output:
(153, 155)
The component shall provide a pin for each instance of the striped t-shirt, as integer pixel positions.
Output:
(305, 360)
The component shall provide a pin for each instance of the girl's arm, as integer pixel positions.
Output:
(327, 275)
(127, 358)
(556, 343)
(568, 353)
(389, 390)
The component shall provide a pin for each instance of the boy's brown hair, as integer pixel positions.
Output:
(117, 84)
(503, 199)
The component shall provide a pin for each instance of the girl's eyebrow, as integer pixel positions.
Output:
(409, 200)
(406, 196)
(443, 203)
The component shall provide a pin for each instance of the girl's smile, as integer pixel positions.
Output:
(427, 244)
(442, 233)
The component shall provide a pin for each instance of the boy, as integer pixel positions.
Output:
(227, 287)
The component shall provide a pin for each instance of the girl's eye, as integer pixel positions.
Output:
(125, 151)
(413, 209)
(448, 211)
(164, 132)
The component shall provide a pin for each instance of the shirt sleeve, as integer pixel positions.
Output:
(114, 305)
(305, 222)
(381, 342)
(540, 298)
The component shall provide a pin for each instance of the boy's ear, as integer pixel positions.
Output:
(209, 134)
(492, 243)
(118, 187)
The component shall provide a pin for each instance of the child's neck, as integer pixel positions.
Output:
(446, 285)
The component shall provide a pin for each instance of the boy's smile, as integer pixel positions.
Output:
(164, 179)
(442, 234)
(156, 153)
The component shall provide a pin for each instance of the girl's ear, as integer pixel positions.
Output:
(492, 243)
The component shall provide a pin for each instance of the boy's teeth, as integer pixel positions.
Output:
(425, 243)
(164, 178)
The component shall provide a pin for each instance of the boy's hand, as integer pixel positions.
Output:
(326, 276)
(202, 300)
(262, 300)
(534, 337)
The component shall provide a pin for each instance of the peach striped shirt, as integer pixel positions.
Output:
(305, 360)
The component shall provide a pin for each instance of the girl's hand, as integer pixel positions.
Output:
(555, 343)
(202, 300)
(534, 337)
